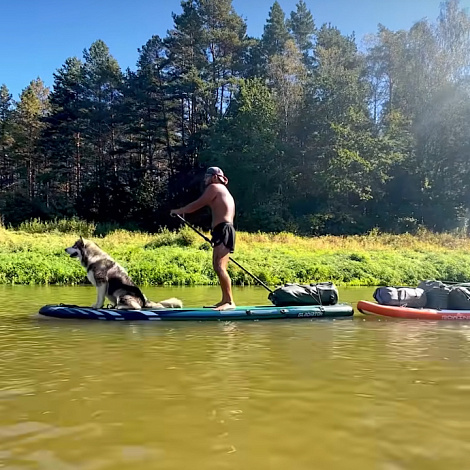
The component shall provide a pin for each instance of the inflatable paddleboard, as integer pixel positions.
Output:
(372, 308)
(239, 313)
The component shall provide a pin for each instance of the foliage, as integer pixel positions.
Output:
(302, 27)
(183, 258)
(275, 33)
(315, 136)
(74, 225)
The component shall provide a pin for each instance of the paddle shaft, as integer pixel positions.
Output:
(230, 258)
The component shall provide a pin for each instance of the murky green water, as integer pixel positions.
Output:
(311, 394)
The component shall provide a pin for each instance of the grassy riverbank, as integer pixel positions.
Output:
(35, 255)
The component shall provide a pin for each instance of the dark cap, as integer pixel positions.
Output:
(216, 171)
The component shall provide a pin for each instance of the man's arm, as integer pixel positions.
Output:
(206, 198)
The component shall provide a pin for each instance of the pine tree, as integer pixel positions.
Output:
(148, 117)
(102, 94)
(28, 121)
(152, 109)
(63, 138)
(6, 139)
(275, 33)
(225, 43)
(302, 27)
(186, 64)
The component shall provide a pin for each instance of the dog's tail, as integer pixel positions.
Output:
(168, 303)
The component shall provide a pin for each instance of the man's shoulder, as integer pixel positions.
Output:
(217, 188)
(210, 192)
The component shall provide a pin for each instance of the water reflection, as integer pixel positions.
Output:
(346, 394)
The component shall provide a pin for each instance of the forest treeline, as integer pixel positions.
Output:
(315, 134)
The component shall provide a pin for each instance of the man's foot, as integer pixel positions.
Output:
(225, 306)
(218, 304)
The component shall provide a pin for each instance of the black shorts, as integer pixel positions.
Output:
(224, 233)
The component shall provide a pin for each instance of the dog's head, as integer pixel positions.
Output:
(77, 250)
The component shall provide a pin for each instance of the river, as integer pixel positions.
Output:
(357, 393)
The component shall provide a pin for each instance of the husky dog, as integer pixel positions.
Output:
(111, 280)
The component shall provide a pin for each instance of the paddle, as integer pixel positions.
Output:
(230, 258)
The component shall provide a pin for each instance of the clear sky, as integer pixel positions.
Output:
(37, 36)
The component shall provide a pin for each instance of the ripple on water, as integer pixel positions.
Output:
(338, 395)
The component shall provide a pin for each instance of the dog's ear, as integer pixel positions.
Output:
(81, 238)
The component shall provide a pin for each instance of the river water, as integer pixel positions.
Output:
(358, 393)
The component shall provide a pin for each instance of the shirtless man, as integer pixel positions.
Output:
(219, 199)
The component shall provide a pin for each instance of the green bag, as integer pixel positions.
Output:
(323, 293)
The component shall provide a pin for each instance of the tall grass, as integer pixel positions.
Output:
(34, 254)
(74, 225)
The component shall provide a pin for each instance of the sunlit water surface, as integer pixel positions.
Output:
(290, 394)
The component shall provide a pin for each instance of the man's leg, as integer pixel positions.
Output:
(220, 259)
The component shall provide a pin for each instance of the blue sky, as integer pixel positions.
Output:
(37, 36)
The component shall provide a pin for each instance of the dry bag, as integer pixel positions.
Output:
(400, 296)
(323, 293)
(437, 294)
(459, 298)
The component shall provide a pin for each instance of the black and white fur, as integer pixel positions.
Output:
(111, 280)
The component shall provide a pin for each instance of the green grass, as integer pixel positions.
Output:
(34, 254)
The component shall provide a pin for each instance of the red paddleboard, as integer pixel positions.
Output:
(372, 308)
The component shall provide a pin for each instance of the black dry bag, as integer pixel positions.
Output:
(323, 293)
(437, 294)
(459, 298)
